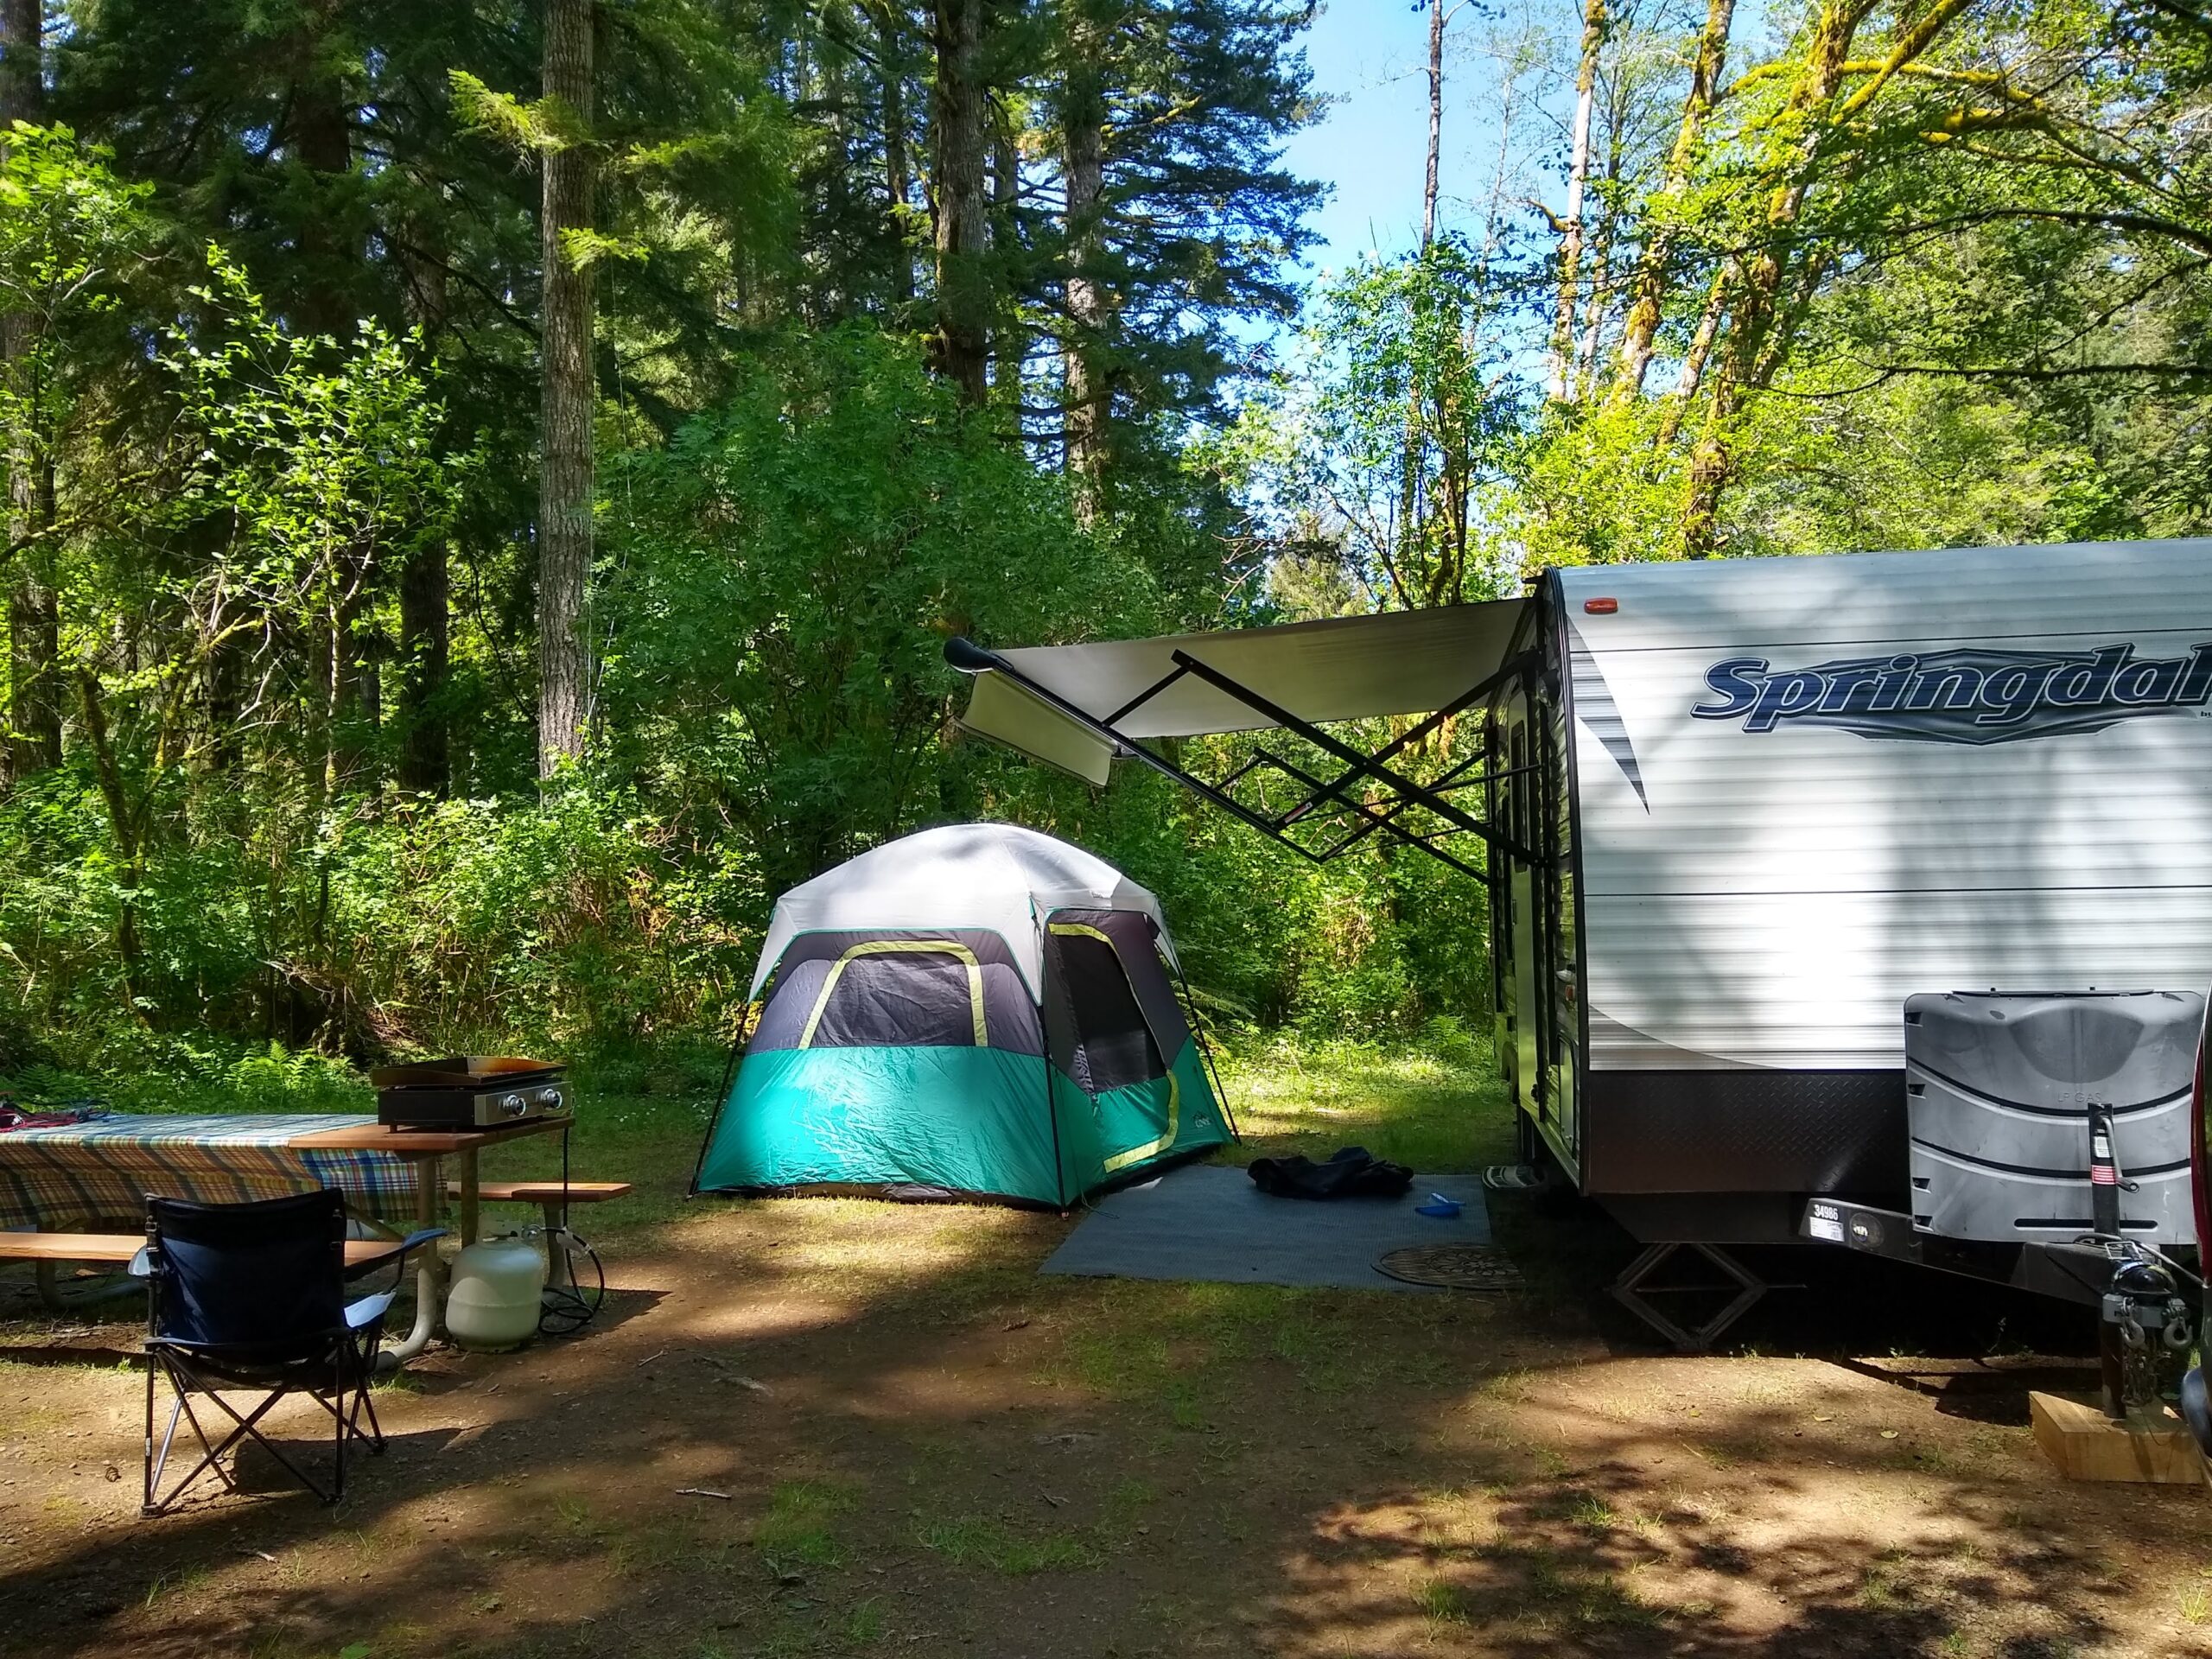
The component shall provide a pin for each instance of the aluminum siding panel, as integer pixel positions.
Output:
(1769, 899)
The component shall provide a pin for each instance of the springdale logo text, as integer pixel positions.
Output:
(1961, 697)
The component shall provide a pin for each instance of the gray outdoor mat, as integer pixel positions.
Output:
(1208, 1221)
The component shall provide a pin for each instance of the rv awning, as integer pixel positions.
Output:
(1238, 680)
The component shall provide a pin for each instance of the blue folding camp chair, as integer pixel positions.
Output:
(252, 1296)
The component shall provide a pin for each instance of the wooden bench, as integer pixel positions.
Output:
(107, 1248)
(553, 1199)
(50, 1252)
(548, 1195)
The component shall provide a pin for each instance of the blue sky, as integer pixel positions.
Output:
(1369, 57)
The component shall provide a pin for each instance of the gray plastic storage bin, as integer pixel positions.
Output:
(1999, 1085)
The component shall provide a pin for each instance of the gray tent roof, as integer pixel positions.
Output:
(998, 877)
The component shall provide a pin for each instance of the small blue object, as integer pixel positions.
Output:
(1438, 1205)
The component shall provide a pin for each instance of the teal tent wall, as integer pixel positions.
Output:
(977, 1008)
(980, 1120)
(972, 1120)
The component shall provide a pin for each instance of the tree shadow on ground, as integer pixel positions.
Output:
(841, 1428)
(1826, 1301)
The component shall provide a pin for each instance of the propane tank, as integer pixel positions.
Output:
(493, 1299)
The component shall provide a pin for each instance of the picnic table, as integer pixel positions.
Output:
(69, 1177)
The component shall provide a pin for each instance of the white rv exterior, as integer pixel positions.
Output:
(1808, 789)
(1732, 814)
(1777, 798)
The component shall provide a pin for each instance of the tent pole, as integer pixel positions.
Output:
(1045, 1042)
(1205, 1052)
(721, 1099)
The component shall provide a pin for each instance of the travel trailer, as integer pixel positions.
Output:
(1733, 816)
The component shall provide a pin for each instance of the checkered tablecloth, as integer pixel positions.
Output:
(79, 1176)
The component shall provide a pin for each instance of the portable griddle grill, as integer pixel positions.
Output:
(470, 1092)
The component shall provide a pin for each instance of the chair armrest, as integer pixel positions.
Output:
(369, 1309)
(420, 1237)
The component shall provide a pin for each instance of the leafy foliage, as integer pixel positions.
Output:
(1862, 276)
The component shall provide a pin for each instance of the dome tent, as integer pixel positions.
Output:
(978, 1009)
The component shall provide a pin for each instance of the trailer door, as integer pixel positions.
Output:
(1563, 963)
(1518, 892)
(1536, 982)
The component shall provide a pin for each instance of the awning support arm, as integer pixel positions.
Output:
(1372, 819)
(1482, 689)
(1455, 779)
(1146, 694)
(1361, 766)
(969, 658)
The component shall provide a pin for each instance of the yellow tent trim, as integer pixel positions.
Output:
(896, 947)
(1151, 1148)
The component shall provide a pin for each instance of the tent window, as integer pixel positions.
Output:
(1114, 1046)
(899, 992)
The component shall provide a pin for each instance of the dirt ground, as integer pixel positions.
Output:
(902, 1440)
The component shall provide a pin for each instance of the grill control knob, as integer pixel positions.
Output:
(549, 1099)
(513, 1106)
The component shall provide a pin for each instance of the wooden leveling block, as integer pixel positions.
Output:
(2087, 1445)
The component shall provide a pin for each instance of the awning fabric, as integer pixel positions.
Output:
(1344, 668)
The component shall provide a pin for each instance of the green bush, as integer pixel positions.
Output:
(781, 578)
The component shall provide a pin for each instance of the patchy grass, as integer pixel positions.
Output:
(975, 1540)
(1205, 1468)
(1436, 1105)
(573, 1518)
(1440, 1601)
(801, 1523)
(1592, 1514)
(864, 1624)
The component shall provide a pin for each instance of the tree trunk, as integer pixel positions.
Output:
(960, 349)
(1647, 287)
(1601, 295)
(1010, 345)
(1694, 359)
(1436, 121)
(34, 643)
(425, 597)
(1412, 526)
(1757, 293)
(1560, 360)
(1601, 244)
(22, 80)
(223, 681)
(898, 181)
(566, 402)
(319, 133)
(123, 828)
(1088, 311)
(425, 764)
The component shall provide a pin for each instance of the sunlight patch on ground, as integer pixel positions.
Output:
(1436, 1111)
